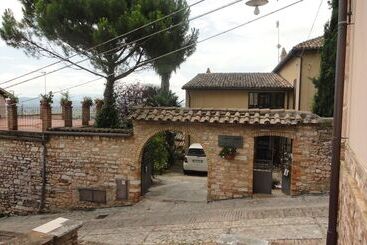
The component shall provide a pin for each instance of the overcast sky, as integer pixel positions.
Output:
(251, 48)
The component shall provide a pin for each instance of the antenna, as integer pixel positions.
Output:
(278, 45)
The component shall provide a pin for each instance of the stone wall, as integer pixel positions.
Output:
(99, 161)
(312, 160)
(352, 201)
(233, 179)
(96, 162)
(20, 175)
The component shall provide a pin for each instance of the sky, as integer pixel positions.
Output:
(252, 48)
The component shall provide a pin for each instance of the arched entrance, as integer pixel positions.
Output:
(272, 164)
(163, 176)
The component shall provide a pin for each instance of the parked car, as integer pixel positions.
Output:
(195, 159)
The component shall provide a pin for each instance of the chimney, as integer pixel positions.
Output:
(283, 54)
(208, 70)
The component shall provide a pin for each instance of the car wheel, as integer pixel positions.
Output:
(185, 172)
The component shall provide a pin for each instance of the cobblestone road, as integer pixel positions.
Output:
(167, 216)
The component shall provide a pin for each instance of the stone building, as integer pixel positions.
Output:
(353, 177)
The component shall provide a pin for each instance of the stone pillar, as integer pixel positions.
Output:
(11, 106)
(85, 114)
(68, 114)
(99, 104)
(62, 112)
(46, 115)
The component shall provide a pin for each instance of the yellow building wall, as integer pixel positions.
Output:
(304, 90)
(237, 99)
(310, 70)
(290, 72)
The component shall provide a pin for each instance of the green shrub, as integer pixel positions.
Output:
(158, 153)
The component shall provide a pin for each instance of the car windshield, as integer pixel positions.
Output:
(196, 152)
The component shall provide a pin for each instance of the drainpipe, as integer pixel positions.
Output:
(43, 174)
(332, 234)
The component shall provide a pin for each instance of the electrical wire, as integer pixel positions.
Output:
(132, 42)
(201, 41)
(103, 43)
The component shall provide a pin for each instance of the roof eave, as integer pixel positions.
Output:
(234, 88)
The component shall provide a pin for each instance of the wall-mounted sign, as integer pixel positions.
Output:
(230, 141)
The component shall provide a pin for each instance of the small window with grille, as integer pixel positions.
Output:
(92, 195)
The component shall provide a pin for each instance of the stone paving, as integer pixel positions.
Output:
(167, 215)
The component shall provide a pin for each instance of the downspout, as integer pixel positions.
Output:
(300, 83)
(332, 234)
(43, 173)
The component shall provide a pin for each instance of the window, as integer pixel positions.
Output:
(271, 100)
(92, 195)
(196, 152)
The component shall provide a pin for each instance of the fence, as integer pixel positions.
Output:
(29, 118)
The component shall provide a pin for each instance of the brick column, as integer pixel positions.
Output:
(85, 114)
(62, 112)
(68, 114)
(99, 104)
(46, 115)
(11, 106)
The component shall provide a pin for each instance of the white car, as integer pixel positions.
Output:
(195, 159)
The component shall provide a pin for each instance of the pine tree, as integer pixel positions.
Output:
(325, 84)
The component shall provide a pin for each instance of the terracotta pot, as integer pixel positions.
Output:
(230, 157)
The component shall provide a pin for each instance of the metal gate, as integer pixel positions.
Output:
(263, 176)
(272, 153)
(146, 171)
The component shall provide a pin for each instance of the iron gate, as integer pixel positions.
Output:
(146, 171)
(263, 176)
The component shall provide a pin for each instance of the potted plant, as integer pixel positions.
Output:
(87, 101)
(47, 98)
(65, 99)
(228, 153)
(99, 104)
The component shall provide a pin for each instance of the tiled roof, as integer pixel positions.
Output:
(238, 81)
(312, 44)
(315, 43)
(225, 116)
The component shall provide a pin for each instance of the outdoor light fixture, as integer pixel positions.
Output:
(256, 4)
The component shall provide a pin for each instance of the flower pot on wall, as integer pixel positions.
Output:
(230, 157)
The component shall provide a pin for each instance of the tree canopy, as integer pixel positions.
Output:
(77, 25)
(325, 83)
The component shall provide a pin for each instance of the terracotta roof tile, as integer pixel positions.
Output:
(238, 81)
(312, 44)
(228, 116)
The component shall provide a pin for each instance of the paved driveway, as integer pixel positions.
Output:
(175, 212)
(176, 187)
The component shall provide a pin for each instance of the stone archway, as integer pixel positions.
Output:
(146, 165)
(234, 178)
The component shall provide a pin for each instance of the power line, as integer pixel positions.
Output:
(137, 40)
(201, 41)
(312, 26)
(108, 41)
(226, 31)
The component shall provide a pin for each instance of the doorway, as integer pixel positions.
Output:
(169, 171)
(272, 165)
